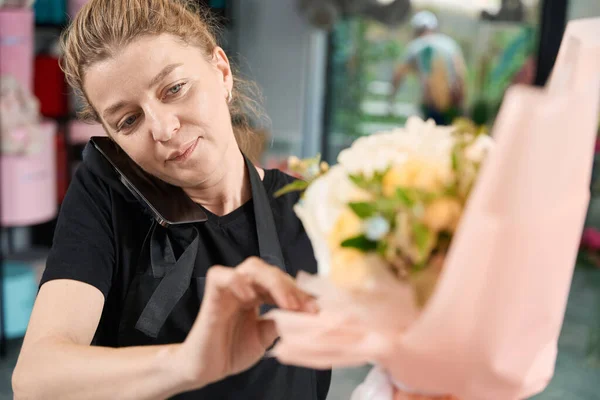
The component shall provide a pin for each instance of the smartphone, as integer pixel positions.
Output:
(167, 203)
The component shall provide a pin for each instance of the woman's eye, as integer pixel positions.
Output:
(130, 121)
(176, 89)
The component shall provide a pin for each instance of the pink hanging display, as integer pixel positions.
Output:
(16, 45)
(28, 192)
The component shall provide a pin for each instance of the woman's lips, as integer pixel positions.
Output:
(186, 153)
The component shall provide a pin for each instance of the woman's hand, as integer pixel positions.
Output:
(228, 336)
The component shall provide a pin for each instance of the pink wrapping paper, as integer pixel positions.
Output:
(491, 329)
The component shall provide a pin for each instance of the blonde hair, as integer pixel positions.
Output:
(102, 27)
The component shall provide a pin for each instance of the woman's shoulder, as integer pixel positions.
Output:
(276, 179)
(87, 187)
(97, 194)
(95, 167)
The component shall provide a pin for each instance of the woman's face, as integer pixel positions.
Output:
(165, 104)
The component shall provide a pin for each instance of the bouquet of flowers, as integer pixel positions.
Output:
(391, 204)
(433, 264)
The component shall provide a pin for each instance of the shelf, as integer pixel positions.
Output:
(46, 25)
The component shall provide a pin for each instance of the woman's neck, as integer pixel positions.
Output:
(228, 187)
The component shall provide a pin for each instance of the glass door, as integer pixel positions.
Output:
(492, 45)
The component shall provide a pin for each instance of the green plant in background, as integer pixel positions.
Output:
(517, 51)
(350, 74)
(383, 51)
(496, 73)
(355, 59)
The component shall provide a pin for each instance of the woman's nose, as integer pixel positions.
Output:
(163, 123)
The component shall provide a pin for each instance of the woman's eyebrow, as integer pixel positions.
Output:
(113, 109)
(165, 71)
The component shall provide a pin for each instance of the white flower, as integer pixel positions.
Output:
(479, 149)
(376, 228)
(378, 151)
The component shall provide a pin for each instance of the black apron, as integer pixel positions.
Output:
(163, 299)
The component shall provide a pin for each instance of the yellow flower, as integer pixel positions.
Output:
(294, 162)
(347, 267)
(351, 268)
(416, 174)
(347, 226)
(393, 179)
(442, 214)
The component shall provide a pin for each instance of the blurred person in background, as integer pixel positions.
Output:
(439, 63)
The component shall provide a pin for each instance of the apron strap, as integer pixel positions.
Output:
(268, 239)
(177, 276)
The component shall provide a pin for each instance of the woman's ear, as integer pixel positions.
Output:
(222, 63)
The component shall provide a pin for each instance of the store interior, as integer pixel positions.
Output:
(325, 71)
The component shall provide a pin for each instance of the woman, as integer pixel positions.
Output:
(152, 74)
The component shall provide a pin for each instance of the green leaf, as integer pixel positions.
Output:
(378, 176)
(423, 237)
(428, 197)
(359, 181)
(371, 185)
(388, 208)
(385, 205)
(296, 186)
(382, 247)
(451, 191)
(419, 266)
(455, 160)
(406, 197)
(361, 243)
(363, 210)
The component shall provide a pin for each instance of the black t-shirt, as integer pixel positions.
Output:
(99, 234)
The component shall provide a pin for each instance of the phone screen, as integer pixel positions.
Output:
(169, 204)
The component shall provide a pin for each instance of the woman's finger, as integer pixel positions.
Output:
(224, 280)
(307, 303)
(273, 282)
(291, 355)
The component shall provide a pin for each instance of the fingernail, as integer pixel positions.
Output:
(270, 353)
(312, 306)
